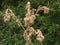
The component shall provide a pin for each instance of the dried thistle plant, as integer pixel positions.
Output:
(7, 17)
(29, 19)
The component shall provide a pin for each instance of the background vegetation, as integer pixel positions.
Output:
(11, 34)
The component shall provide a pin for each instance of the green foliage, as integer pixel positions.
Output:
(11, 34)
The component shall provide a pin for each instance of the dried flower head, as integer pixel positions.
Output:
(29, 20)
(7, 18)
(31, 31)
(28, 5)
(40, 36)
(26, 20)
(46, 10)
(28, 9)
(7, 15)
(32, 19)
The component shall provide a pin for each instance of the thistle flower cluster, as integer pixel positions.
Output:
(29, 19)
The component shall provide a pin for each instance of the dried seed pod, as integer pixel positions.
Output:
(32, 18)
(40, 36)
(31, 31)
(7, 18)
(28, 8)
(29, 20)
(26, 20)
(46, 10)
(28, 5)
